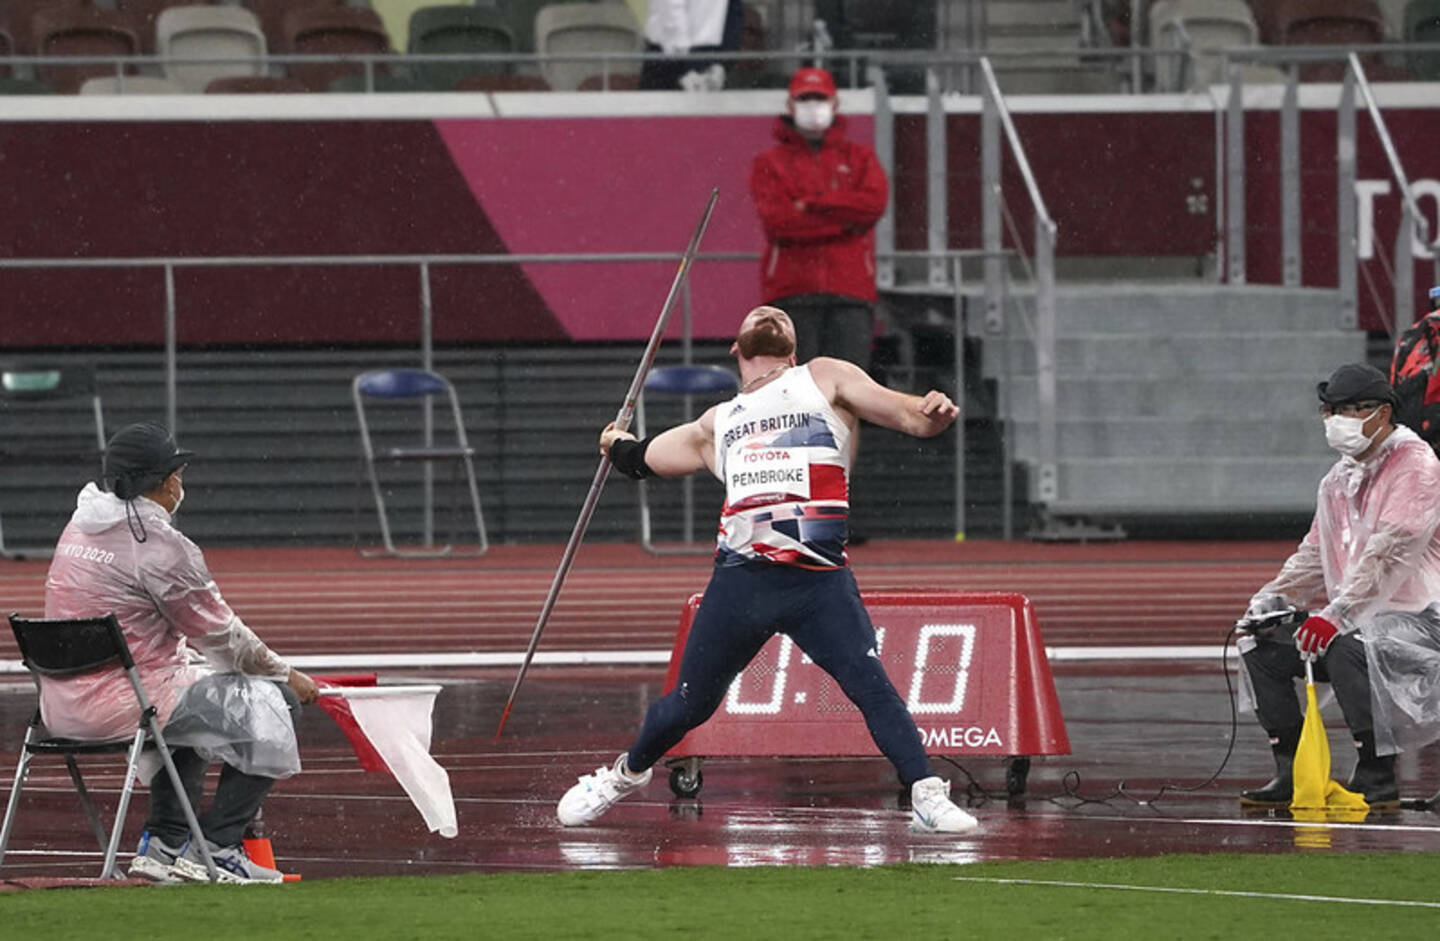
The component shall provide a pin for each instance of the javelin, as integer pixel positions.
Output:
(622, 422)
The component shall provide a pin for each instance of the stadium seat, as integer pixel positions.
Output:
(254, 85)
(54, 422)
(1422, 24)
(145, 14)
(562, 28)
(81, 31)
(18, 19)
(333, 30)
(389, 438)
(1208, 24)
(209, 32)
(131, 85)
(271, 14)
(1330, 23)
(450, 30)
(55, 651)
(711, 381)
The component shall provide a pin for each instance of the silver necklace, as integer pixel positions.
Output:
(759, 379)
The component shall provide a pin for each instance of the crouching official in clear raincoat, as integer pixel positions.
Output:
(221, 694)
(1368, 573)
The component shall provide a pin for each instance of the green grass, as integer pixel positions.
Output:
(892, 903)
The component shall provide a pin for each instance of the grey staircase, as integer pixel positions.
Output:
(1180, 399)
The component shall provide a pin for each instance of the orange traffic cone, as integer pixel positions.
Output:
(257, 846)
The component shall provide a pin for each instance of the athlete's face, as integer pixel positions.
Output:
(765, 331)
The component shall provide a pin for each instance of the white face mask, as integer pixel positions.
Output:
(814, 116)
(1347, 435)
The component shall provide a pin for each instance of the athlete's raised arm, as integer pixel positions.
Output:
(851, 388)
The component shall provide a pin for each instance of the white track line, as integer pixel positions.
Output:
(571, 658)
(1287, 896)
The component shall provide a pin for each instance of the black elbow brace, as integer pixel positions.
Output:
(629, 458)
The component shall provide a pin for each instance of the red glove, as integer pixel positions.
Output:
(1315, 635)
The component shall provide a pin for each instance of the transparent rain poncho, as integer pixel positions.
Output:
(1371, 564)
(131, 561)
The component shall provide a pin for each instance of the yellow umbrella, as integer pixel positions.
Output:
(1314, 789)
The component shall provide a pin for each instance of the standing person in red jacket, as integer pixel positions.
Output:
(819, 195)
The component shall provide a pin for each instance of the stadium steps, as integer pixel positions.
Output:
(279, 448)
(1048, 38)
(1181, 399)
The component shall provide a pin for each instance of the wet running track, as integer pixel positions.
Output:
(1135, 722)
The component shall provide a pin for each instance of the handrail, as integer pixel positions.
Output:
(1045, 486)
(1412, 224)
(1388, 144)
(1016, 148)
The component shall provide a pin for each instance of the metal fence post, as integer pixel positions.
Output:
(936, 188)
(172, 410)
(885, 152)
(1047, 482)
(1235, 180)
(990, 197)
(1345, 227)
(1290, 178)
(427, 359)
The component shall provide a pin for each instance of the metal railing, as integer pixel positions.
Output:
(1411, 235)
(1041, 270)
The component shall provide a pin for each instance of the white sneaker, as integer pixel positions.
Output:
(598, 792)
(232, 864)
(155, 860)
(932, 811)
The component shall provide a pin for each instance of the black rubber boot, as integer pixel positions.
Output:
(1374, 775)
(1278, 790)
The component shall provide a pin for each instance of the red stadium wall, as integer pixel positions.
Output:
(1135, 180)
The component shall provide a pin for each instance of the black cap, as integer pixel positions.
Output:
(1355, 382)
(139, 457)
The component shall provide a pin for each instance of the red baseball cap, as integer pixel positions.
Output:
(812, 82)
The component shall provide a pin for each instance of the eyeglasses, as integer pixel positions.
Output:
(1349, 409)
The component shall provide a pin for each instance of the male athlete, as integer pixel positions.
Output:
(780, 447)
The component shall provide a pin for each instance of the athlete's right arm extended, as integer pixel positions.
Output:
(676, 452)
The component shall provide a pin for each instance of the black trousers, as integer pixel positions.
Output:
(237, 798)
(1275, 663)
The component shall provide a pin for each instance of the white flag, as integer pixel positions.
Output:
(396, 722)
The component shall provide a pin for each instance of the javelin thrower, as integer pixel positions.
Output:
(780, 446)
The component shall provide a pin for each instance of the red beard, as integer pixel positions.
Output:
(766, 338)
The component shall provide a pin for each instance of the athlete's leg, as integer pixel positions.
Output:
(729, 629)
(834, 630)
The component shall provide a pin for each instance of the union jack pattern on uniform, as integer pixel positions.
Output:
(782, 453)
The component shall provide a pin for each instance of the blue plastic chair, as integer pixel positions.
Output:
(679, 380)
(406, 384)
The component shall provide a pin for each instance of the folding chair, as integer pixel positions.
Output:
(40, 401)
(678, 380)
(413, 384)
(53, 650)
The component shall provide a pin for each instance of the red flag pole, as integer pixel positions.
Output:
(622, 422)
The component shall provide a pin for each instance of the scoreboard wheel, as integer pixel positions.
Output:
(686, 781)
(1016, 774)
